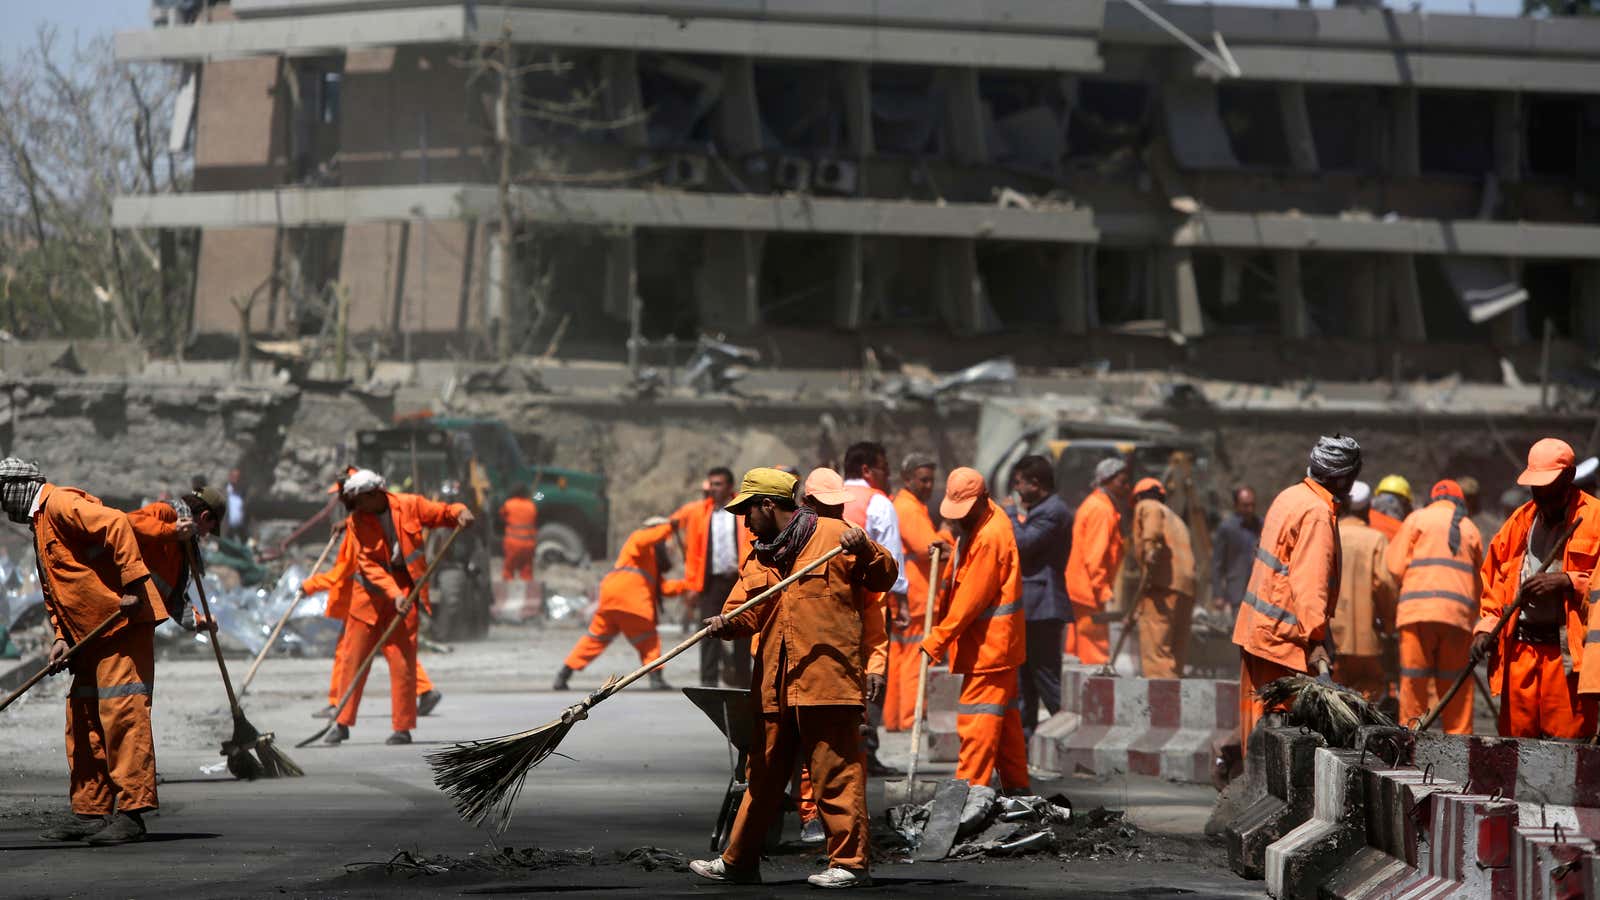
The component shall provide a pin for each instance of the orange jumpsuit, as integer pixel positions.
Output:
(985, 625)
(340, 583)
(628, 597)
(1540, 698)
(807, 689)
(389, 556)
(165, 555)
(1092, 569)
(1365, 611)
(88, 559)
(1292, 593)
(1168, 600)
(521, 518)
(916, 534)
(1437, 610)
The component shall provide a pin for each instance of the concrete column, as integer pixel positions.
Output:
(965, 123)
(1294, 319)
(1297, 126)
(623, 101)
(1071, 286)
(1405, 153)
(1508, 144)
(858, 110)
(958, 290)
(621, 283)
(737, 123)
(1179, 294)
(1232, 274)
(726, 283)
(847, 283)
(1406, 296)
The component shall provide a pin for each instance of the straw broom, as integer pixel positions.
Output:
(244, 686)
(484, 778)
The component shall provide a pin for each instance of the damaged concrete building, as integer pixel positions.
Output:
(1058, 181)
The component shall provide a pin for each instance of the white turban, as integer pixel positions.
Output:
(1360, 496)
(361, 481)
(1109, 468)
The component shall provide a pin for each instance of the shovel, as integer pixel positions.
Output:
(909, 790)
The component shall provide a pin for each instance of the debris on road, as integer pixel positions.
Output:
(988, 825)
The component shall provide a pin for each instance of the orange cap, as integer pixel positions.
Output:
(1149, 484)
(1547, 459)
(827, 486)
(1448, 488)
(961, 490)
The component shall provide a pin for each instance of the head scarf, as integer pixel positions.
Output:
(1334, 458)
(1451, 491)
(781, 551)
(19, 485)
(1109, 468)
(362, 481)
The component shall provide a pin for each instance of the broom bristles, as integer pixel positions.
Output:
(276, 763)
(484, 778)
(1333, 711)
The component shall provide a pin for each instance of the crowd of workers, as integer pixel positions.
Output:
(1318, 583)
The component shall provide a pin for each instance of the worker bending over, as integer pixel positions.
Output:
(1366, 601)
(168, 531)
(1095, 560)
(630, 598)
(1166, 565)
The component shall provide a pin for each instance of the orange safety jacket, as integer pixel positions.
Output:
(1502, 577)
(1366, 591)
(1436, 585)
(1096, 555)
(917, 534)
(986, 621)
(338, 580)
(694, 526)
(388, 564)
(1160, 532)
(634, 584)
(165, 554)
(1294, 581)
(521, 518)
(88, 559)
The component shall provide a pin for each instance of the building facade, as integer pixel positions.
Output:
(1058, 179)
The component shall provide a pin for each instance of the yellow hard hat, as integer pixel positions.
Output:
(1394, 484)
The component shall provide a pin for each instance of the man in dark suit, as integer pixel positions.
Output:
(1043, 526)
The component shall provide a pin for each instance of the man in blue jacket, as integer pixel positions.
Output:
(1043, 526)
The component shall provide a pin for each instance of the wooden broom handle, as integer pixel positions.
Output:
(71, 652)
(922, 673)
(211, 628)
(277, 629)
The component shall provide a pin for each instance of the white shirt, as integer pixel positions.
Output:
(235, 507)
(883, 526)
(724, 543)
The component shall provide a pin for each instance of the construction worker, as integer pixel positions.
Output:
(1366, 600)
(167, 531)
(918, 537)
(1391, 503)
(1233, 550)
(1166, 570)
(866, 478)
(520, 516)
(1435, 557)
(1282, 626)
(714, 543)
(808, 686)
(1094, 561)
(630, 596)
(985, 632)
(339, 580)
(1042, 527)
(388, 531)
(1534, 666)
(89, 570)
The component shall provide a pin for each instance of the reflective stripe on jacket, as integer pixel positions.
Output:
(1294, 584)
(986, 621)
(1435, 584)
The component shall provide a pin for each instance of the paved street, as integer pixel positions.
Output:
(647, 770)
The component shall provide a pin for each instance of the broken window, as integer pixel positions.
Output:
(1456, 132)
(664, 259)
(563, 99)
(1254, 123)
(1108, 118)
(679, 93)
(1562, 134)
(1123, 289)
(1347, 134)
(800, 279)
(1238, 292)
(314, 84)
(1018, 279)
(1552, 296)
(1028, 116)
(1194, 126)
(907, 107)
(311, 261)
(802, 106)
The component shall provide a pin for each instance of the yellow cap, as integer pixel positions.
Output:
(763, 483)
(1394, 484)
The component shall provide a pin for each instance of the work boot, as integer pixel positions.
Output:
(658, 681)
(121, 828)
(562, 677)
(80, 828)
(398, 738)
(840, 878)
(427, 702)
(717, 870)
(811, 832)
(324, 713)
(338, 735)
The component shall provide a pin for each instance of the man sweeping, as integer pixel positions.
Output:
(388, 531)
(1435, 556)
(807, 683)
(89, 570)
(519, 515)
(1536, 664)
(1094, 561)
(1366, 601)
(630, 597)
(918, 537)
(985, 633)
(1166, 565)
(1283, 622)
(167, 530)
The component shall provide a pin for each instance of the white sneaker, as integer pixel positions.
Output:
(840, 878)
(717, 870)
(812, 833)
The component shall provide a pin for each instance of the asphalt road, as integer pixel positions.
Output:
(646, 770)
